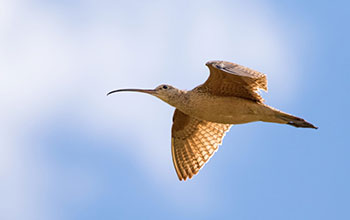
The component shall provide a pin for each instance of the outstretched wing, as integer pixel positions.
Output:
(230, 79)
(193, 143)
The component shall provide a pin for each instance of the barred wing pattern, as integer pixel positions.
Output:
(193, 143)
(230, 79)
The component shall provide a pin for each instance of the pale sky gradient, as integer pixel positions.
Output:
(69, 152)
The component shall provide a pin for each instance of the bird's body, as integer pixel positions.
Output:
(203, 115)
(224, 109)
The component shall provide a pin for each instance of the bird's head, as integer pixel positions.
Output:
(164, 92)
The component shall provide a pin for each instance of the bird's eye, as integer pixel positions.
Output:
(165, 87)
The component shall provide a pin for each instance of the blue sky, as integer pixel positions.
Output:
(69, 152)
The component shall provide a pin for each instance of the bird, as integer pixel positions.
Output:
(203, 115)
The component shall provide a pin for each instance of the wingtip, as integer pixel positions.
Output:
(211, 62)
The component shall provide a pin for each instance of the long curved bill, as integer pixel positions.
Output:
(148, 91)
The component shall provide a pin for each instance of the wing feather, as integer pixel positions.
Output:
(194, 142)
(230, 79)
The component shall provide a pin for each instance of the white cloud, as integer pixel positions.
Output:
(250, 35)
(49, 64)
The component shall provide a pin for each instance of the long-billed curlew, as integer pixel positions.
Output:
(204, 114)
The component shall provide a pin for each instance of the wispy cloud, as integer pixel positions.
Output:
(50, 65)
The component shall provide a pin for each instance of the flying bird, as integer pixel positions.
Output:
(204, 114)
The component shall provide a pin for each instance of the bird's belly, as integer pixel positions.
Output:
(227, 110)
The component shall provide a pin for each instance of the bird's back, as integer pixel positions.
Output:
(222, 109)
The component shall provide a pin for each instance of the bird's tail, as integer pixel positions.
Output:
(295, 121)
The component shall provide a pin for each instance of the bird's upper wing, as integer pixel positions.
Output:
(193, 143)
(230, 79)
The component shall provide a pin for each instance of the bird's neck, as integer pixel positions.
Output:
(180, 98)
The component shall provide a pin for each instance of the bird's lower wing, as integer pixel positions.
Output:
(193, 143)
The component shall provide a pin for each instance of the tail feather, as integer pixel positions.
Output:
(296, 121)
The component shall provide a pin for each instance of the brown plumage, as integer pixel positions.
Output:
(204, 114)
(194, 142)
(230, 79)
